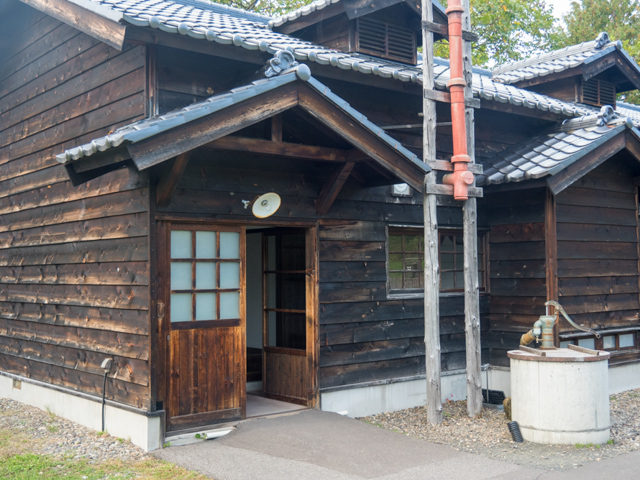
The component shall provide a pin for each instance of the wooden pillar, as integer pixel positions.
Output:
(470, 234)
(431, 261)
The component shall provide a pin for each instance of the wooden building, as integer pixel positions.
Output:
(138, 139)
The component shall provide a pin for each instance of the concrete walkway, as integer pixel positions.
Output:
(314, 445)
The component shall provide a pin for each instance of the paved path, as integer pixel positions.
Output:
(314, 445)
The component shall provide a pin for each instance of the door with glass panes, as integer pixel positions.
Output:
(286, 317)
(205, 325)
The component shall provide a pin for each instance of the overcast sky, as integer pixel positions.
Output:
(560, 7)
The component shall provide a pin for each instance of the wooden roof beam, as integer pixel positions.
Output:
(99, 26)
(159, 148)
(284, 149)
(332, 187)
(168, 182)
(379, 151)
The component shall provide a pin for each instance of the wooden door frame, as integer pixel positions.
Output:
(162, 222)
(311, 311)
(164, 228)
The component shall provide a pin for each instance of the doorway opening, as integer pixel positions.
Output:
(278, 314)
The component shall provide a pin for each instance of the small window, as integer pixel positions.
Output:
(204, 275)
(587, 343)
(611, 342)
(406, 260)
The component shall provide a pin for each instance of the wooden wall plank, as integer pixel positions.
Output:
(132, 273)
(83, 104)
(117, 390)
(126, 321)
(117, 250)
(108, 115)
(125, 369)
(39, 47)
(117, 296)
(58, 191)
(122, 226)
(126, 206)
(112, 343)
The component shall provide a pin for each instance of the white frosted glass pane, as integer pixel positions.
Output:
(205, 276)
(205, 244)
(626, 340)
(609, 341)
(229, 305)
(180, 244)
(181, 307)
(205, 306)
(565, 344)
(229, 245)
(180, 276)
(230, 275)
(587, 343)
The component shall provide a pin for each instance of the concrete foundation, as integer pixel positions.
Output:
(141, 430)
(389, 397)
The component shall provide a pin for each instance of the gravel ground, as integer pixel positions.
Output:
(52, 435)
(486, 436)
(489, 435)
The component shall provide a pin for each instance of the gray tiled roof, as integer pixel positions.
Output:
(301, 12)
(553, 151)
(629, 110)
(315, 6)
(147, 128)
(212, 22)
(556, 61)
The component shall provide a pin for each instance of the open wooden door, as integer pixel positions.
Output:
(205, 322)
(287, 273)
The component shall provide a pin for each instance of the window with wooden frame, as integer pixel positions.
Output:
(406, 260)
(205, 275)
(612, 341)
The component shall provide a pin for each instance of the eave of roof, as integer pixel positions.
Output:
(545, 64)
(551, 153)
(318, 5)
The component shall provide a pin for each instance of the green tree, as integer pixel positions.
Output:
(266, 7)
(619, 18)
(509, 30)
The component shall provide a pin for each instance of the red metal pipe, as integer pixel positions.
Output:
(461, 177)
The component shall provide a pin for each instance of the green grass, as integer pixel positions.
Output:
(20, 460)
(30, 466)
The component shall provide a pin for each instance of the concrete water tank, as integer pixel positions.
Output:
(561, 396)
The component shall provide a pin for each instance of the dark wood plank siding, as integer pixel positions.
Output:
(365, 334)
(74, 277)
(517, 267)
(598, 248)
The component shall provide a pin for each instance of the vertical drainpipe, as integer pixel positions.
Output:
(461, 177)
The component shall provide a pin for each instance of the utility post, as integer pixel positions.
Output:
(431, 260)
(470, 234)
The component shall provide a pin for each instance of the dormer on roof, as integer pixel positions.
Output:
(389, 29)
(591, 73)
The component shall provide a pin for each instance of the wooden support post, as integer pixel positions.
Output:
(168, 182)
(431, 260)
(332, 188)
(470, 234)
(276, 128)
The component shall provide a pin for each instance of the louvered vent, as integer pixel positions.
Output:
(598, 92)
(387, 41)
